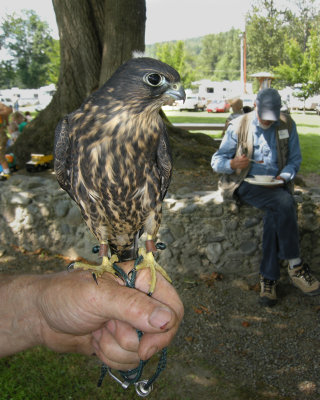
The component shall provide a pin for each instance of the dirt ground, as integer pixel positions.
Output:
(228, 346)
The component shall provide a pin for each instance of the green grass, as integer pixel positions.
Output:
(42, 374)
(214, 119)
(308, 126)
(310, 149)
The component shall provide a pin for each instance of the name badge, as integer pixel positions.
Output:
(283, 134)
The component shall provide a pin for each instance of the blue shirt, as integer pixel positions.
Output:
(264, 149)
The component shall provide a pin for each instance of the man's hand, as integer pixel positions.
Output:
(68, 312)
(279, 178)
(239, 162)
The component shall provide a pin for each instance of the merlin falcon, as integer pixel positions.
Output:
(112, 157)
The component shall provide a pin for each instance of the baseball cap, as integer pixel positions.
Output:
(268, 103)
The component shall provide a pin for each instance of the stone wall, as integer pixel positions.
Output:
(202, 232)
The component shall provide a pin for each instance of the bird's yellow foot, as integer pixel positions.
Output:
(149, 262)
(98, 270)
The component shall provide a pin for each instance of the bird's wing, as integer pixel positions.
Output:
(62, 155)
(164, 161)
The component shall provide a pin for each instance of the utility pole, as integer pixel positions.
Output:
(243, 61)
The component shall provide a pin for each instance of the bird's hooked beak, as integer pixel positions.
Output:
(175, 92)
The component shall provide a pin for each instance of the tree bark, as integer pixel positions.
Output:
(121, 44)
(96, 36)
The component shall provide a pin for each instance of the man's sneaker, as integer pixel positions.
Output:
(268, 295)
(302, 278)
(4, 177)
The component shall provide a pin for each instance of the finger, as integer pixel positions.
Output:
(111, 353)
(151, 344)
(132, 306)
(124, 334)
(164, 292)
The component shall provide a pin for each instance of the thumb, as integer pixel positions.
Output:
(137, 309)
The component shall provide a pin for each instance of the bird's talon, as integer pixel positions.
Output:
(95, 278)
(70, 267)
(149, 262)
(114, 258)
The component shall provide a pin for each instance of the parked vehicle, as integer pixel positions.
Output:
(218, 106)
(192, 103)
(6, 100)
(318, 109)
(39, 162)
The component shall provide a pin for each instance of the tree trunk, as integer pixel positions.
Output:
(121, 44)
(96, 36)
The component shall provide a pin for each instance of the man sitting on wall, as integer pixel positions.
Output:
(265, 142)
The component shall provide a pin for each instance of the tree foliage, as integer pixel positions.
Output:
(175, 54)
(228, 65)
(302, 66)
(54, 62)
(27, 40)
(215, 56)
(220, 56)
(265, 29)
(301, 21)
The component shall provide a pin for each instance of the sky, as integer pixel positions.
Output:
(166, 19)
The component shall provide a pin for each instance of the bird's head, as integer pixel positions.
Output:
(145, 83)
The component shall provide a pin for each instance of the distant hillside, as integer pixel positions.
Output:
(215, 56)
(192, 46)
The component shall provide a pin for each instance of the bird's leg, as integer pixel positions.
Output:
(105, 266)
(149, 262)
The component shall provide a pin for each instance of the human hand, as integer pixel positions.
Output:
(279, 178)
(79, 316)
(239, 162)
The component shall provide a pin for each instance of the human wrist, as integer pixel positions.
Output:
(19, 314)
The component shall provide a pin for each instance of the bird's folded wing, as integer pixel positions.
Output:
(164, 161)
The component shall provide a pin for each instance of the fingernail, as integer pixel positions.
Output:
(160, 318)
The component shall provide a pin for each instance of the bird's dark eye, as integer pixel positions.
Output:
(154, 79)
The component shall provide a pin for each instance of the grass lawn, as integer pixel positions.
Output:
(40, 374)
(308, 128)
